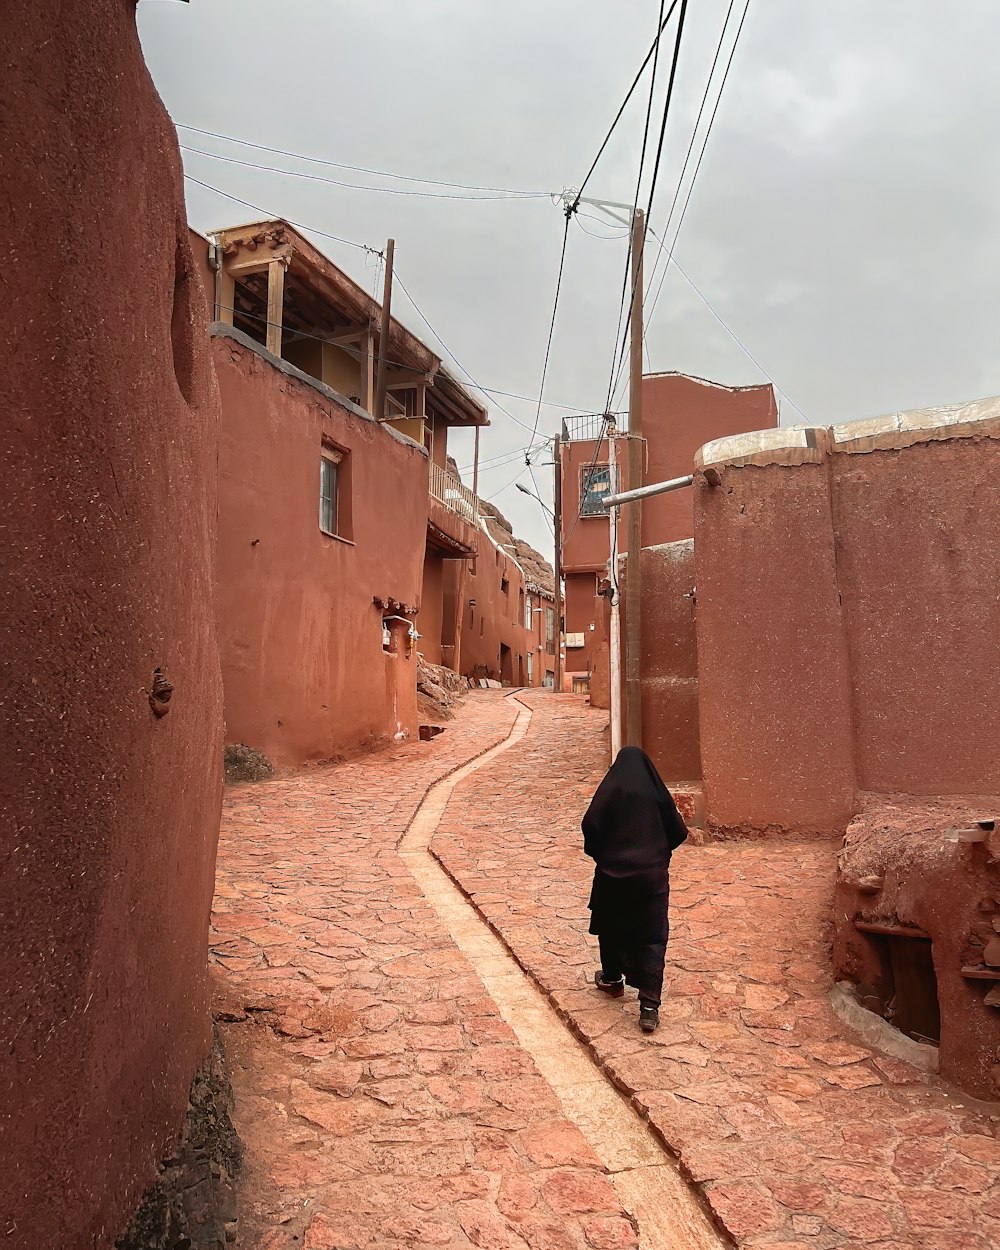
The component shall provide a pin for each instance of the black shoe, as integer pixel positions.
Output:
(649, 1018)
(614, 989)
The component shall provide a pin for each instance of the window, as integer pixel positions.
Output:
(504, 586)
(520, 608)
(335, 492)
(595, 486)
(550, 630)
(329, 471)
(528, 614)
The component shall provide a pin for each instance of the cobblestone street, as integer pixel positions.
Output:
(798, 1136)
(385, 1101)
(381, 1098)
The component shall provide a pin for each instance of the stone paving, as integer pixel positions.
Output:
(381, 1099)
(799, 1137)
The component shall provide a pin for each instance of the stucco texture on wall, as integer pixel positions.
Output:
(774, 689)
(848, 608)
(669, 660)
(919, 571)
(303, 665)
(494, 638)
(110, 812)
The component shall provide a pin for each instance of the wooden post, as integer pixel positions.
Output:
(225, 291)
(368, 371)
(557, 679)
(633, 511)
(275, 304)
(383, 338)
(475, 481)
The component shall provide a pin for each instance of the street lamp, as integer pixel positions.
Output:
(524, 491)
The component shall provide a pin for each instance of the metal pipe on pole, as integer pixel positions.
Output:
(633, 509)
(615, 647)
(644, 492)
(383, 338)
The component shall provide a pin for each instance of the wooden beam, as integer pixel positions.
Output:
(383, 337)
(225, 295)
(275, 305)
(368, 372)
(406, 379)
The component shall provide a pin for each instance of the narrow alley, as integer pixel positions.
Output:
(385, 1100)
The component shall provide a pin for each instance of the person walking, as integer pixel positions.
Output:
(630, 830)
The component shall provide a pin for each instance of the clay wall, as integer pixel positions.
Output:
(110, 813)
(430, 624)
(495, 620)
(919, 545)
(544, 660)
(303, 664)
(670, 732)
(848, 601)
(680, 413)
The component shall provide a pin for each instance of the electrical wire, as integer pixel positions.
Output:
(638, 184)
(364, 247)
(697, 123)
(656, 171)
(359, 169)
(398, 281)
(701, 156)
(552, 323)
(628, 96)
(354, 186)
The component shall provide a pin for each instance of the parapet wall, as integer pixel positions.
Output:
(848, 589)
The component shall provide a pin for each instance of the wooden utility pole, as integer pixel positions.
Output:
(633, 511)
(383, 338)
(558, 675)
(615, 649)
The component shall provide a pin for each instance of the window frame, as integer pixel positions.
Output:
(587, 473)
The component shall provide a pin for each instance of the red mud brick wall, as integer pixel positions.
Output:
(919, 553)
(496, 618)
(304, 672)
(774, 687)
(680, 414)
(431, 608)
(110, 815)
(670, 661)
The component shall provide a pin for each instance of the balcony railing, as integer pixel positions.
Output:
(447, 489)
(584, 428)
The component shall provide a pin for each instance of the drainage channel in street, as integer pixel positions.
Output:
(646, 1178)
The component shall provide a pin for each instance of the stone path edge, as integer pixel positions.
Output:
(457, 768)
(696, 1187)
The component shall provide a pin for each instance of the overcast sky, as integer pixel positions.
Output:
(845, 223)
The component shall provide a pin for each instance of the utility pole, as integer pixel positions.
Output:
(615, 648)
(633, 510)
(557, 563)
(383, 338)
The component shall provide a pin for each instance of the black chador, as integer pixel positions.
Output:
(630, 830)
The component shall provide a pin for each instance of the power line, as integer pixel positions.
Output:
(364, 247)
(354, 186)
(671, 82)
(397, 280)
(628, 96)
(694, 128)
(701, 157)
(635, 199)
(736, 339)
(552, 323)
(359, 169)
